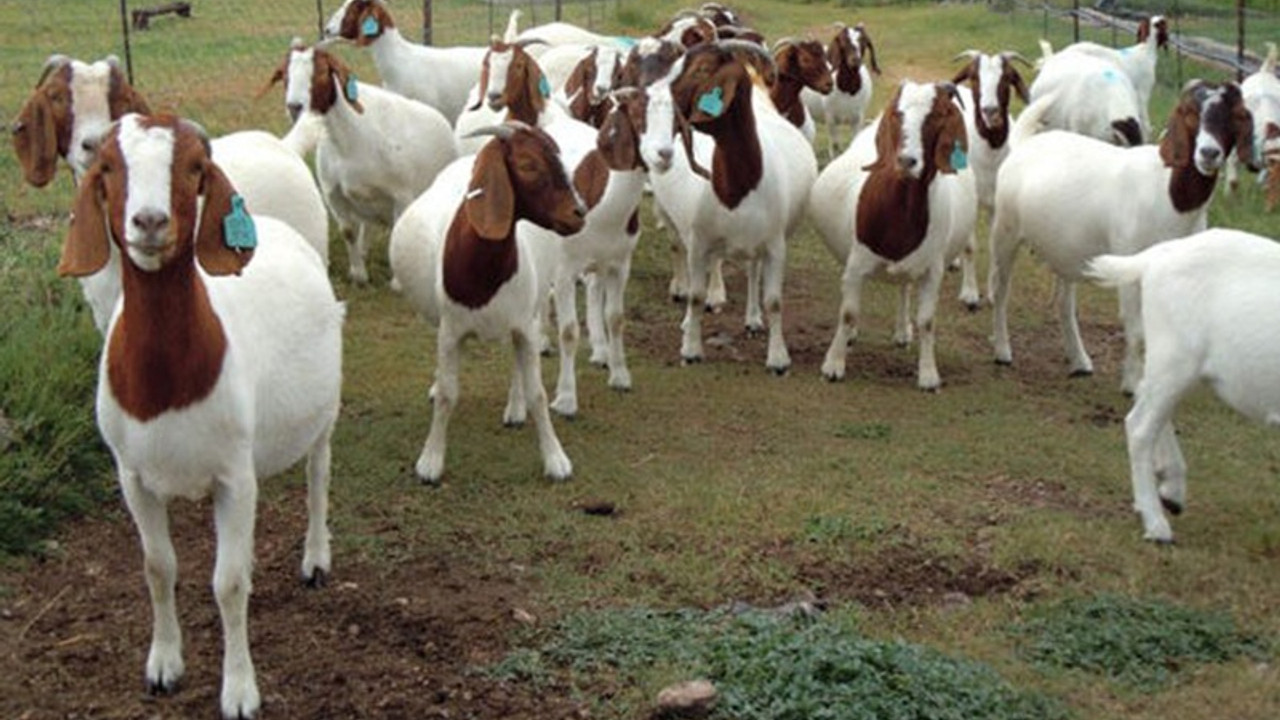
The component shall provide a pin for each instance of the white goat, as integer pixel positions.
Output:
(1089, 96)
(762, 168)
(379, 150)
(1202, 299)
(1072, 198)
(79, 101)
(208, 381)
(1138, 62)
(461, 264)
(853, 59)
(439, 77)
(900, 207)
(1261, 92)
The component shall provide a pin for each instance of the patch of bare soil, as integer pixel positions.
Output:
(398, 642)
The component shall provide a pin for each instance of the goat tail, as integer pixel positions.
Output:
(513, 27)
(1031, 120)
(1269, 65)
(1046, 52)
(1116, 270)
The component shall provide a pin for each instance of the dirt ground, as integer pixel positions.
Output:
(392, 642)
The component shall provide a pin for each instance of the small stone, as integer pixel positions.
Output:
(524, 617)
(602, 508)
(956, 600)
(353, 629)
(693, 699)
(348, 585)
(401, 601)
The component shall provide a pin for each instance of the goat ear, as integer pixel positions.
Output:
(1242, 122)
(35, 140)
(1019, 85)
(888, 136)
(123, 99)
(870, 52)
(786, 60)
(339, 73)
(951, 151)
(212, 250)
(617, 140)
(1175, 148)
(714, 97)
(491, 201)
(276, 76)
(537, 87)
(86, 249)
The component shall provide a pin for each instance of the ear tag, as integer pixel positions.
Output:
(238, 228)
(370, 27)
(352, 90)
(711, 102)
(544, 87)
(959, 159)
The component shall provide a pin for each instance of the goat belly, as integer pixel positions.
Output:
(892, 216)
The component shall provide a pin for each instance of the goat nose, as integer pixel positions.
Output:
(295, 109)
(1210, 154)
(151, 222)
(907, 162)
(90, 145)
(665, 154)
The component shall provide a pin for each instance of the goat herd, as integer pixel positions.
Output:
(563, 129)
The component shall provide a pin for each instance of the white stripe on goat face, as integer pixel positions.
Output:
(499, 67)
(915, 104)
(657, 144)
(147, 153)
(990, 73)
(1214, 115)
(90, 112)
(297, 84)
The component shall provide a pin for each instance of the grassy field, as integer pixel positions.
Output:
(955, 521)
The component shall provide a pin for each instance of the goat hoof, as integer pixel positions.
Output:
(159, 688)
(973, 306)
(433, 482)
(755, 329)
(1163, 542)
(690, 359)
(318, 579)
(679, 299)
(1004, 362)
(780, 371)
(1081, 372)
(1174, 507)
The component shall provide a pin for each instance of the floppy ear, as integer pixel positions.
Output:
(869, 51)
(86, 249)
(714, 97)
(1242, 122)
(950, 152)
(617, 140)
(786, 60)
(35, 140)
(277, 76)
(339, 73)
(491, 201)
(122, 98)
(537, 87)
(1175, 148)
(1019, 85)
(888, 135)
(215, 256)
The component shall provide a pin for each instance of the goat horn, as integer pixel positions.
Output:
(55, 62)
(502, 132)
(953, 92)
(966, 55)
(686, 13)
(838, 24)
(1015, 55)
(788, 40)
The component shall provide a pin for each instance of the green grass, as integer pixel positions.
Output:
(730, 484)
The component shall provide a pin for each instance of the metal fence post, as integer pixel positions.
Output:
(128, 51)
(319, 19)
(1239, 40)
(426, 22)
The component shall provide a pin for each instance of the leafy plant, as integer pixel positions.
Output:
(1139, 643)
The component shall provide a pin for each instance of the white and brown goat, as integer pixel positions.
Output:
(853, 59)
(216, 371)
(461, 264)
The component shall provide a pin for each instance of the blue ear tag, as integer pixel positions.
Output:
(238, 229)
(711, 102)
(370, 27)
(544, 87)
(959, 160)
(1110, 76)
(352, 90)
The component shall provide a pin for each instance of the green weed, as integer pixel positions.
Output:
(1142, 644)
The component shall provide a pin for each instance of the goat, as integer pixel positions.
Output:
(582, 77)
(1137, 62)
(1202, 297)
(1088, 95)
(753, 198)
(802, 65)
(1261, 92)
(512, 86)
(461, 264)
(439, 77)
(208, 381)
(73, 105)
(992, 80)
(379, 150)
(853, 59)
(914, 209)
(1072, 197)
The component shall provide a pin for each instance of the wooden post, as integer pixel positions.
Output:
(128, 51)
(319, 20)
(426, 22)
(1075, 21)
(558, 10)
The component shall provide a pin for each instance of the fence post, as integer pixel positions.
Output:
(1239, 40)
(558, 10)
(128, 51)
(1075, 21)
(319, 20)
(426, 22)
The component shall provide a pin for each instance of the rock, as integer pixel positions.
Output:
(694, 699)
(524, 617)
